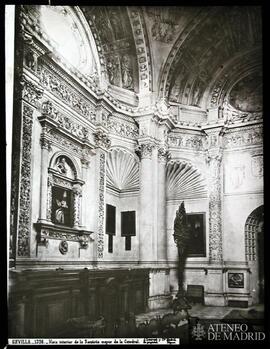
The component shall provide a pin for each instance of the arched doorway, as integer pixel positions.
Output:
(254, 244)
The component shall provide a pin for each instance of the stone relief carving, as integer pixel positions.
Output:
(237, 176)
(30, 92)
(52, 83)
(186, 141)
(25, 184)
(121, 128)
(163, 154)
(49, 232)
(102, 140)
(113, 68)
(215, 222)
(77, 194)
(64, 121)
(127, 72)
(101, 207)
(68, 144)
(257, 166)
(145, 150)
(63, 247)
(247, 136)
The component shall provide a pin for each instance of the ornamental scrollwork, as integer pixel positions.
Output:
(25, 184)
(121, 128)
(30, 92)
(145, 150)
(101, 207)
(64, 122)
(163, 154)
(102, 140)
(240, 138)
(57, 87)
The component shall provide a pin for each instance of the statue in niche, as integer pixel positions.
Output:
(62, 165)
(60, 212)
(181, 238)
(127, 79)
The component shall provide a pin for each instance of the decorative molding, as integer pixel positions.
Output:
(45, 232)
(243, 137)
(186, 141)
(143, 56)
(122, 172)
(122, 128)
(24, 228)
(54, 84)
(101, 206)
(69, 145)
(184, 181)
(64, 122)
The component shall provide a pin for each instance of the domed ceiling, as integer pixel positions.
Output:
(188, 55)
(189, 48)
(246, 94)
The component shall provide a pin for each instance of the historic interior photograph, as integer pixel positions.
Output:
(136, 180)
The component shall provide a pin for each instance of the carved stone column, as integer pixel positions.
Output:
(146, 209)
(214, 161)
(77, 194)
(85, 166)
(163, 156)
(45, 148)
(215, 208)
(103, 143)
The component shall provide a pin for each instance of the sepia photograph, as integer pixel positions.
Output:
(135, 177)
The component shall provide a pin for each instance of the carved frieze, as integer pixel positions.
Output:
(101, 206)
(69, 144)
(122, 128)
(53, 84)
(30, 92)
(244, 137)
(45, 232)
(64, 122)
(24, 228)
(186, 141)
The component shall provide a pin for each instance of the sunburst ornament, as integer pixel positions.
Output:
(184, 181)
(122, 172)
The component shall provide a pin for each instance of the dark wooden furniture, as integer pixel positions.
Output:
(41, 302)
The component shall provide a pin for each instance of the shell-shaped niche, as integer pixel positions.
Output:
(184, 182)
(122, 172)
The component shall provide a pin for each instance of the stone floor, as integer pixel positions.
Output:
(206, 312)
